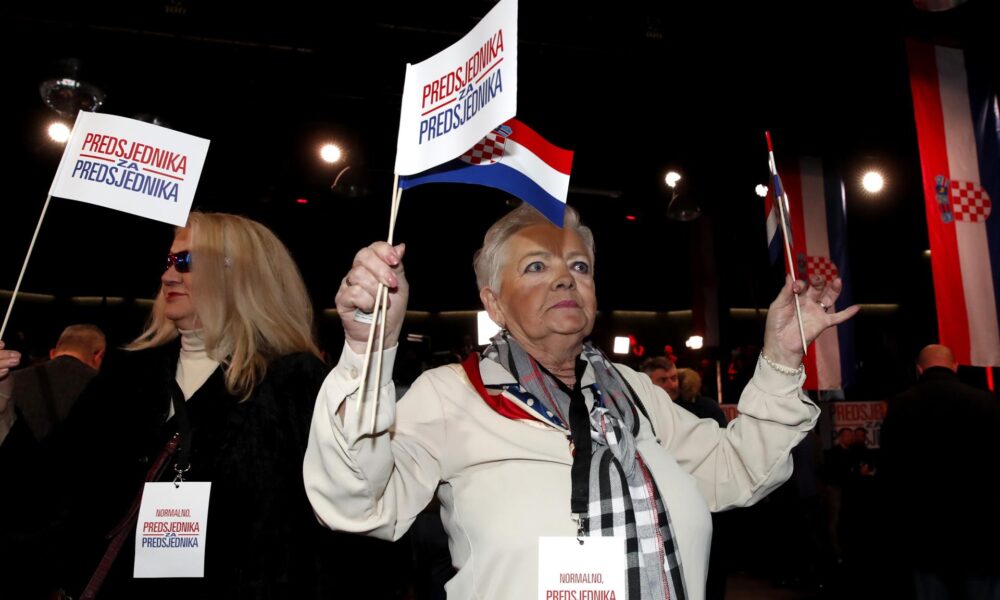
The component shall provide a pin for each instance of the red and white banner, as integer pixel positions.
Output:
(456, 97)
(131, 166)
(818, 227)
(956, 116)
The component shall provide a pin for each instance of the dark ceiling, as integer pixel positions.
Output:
(632, 90)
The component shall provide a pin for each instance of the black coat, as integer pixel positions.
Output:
(939, 464)
(45, 393)
(263, 538)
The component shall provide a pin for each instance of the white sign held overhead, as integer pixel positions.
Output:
(453, 99)
(131, 166)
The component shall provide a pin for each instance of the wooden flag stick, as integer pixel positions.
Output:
(368, 349)
(24, 267)
(791, 267)
(786, 230)
(379, 294)
(385, 307)
(379, 313)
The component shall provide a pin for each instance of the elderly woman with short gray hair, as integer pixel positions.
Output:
(541, 434)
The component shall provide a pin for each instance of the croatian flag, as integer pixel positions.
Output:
(818, 224)
(773, 224)
(958, 131)
(512, 158)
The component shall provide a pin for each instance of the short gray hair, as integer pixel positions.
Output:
(656, 362)
(490, 259)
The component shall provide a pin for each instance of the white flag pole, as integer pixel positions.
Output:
(785, 234)
(24, 267)
(378, 315)
(385, 307)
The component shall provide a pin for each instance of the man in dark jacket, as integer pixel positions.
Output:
(45, 393)
(939, 463)
(33, 402)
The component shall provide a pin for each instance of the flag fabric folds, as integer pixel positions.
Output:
(512, 158)
(773, 225)
(958, 132)
(818, 225)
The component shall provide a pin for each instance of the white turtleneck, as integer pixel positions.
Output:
(194, 366)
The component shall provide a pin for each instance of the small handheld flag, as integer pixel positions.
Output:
(131, 166)
(453, 98)
(781, 199)
(124, 165)
(515, 159)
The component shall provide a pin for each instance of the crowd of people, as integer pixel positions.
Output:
(539, 434)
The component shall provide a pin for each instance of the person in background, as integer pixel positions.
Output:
(663, 373)
(938, 464)
(45, 393)
(690, 398)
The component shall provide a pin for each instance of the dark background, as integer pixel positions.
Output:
(633, 90)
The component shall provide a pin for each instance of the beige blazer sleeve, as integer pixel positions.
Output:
(738, 465)
(373, 484)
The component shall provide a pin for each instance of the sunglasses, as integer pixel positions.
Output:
(180, 261)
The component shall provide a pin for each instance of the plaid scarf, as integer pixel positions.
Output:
(623, 498)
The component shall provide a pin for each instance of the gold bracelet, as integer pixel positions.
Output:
(781, 368)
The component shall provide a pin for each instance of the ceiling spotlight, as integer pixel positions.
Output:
(672, 178)
(761, 190)
(873, 182)
(59, 132)
(330, 153)
(67, 94)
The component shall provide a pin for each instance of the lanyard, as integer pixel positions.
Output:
(183, 427)
(579, 427)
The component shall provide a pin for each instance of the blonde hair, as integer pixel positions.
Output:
(489, 260)
(249, 297)
(690, 383)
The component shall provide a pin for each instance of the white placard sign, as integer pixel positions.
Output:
(131, 166)
(571, 570)
(453, 99)
(171, 532)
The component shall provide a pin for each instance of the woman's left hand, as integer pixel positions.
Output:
(782, 340)
(8, 360)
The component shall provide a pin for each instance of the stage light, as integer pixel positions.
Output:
(672, 178)
(761, 190)
(695, 342)
(621, 345)
(873, 182)
(330, 153)
(59, 132)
